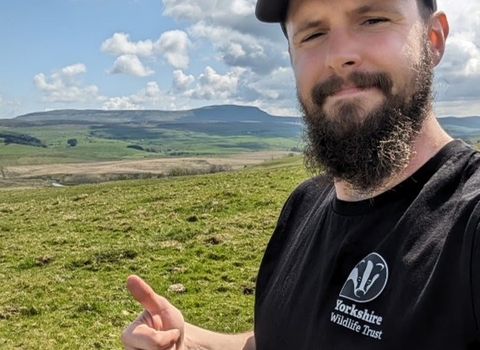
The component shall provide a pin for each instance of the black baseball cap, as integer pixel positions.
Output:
(274, 11)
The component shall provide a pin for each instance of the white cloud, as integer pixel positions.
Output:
(189, 10)
(463, 55)
(276, 87)
(151, 93)
(119, 103)
(147, 98)
(458, 108)
(63, 85)
(458, 73)
(130, 64)
(174, 46)
(120, 44)
(242, 7)
(214, 86)
(238, 49)
(218, 11)
(181, 81)
(231, 27)
(74, 69)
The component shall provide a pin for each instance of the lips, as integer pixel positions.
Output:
(348, 90)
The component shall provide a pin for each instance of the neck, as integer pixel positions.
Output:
(427, 143)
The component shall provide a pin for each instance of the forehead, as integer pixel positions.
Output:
(325, 7)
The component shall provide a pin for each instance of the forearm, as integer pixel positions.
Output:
(201, 339)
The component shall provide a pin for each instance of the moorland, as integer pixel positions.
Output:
(81, 146)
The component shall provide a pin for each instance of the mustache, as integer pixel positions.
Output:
(360, 80)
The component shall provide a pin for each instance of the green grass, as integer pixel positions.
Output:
(106, 143)
(66, 252)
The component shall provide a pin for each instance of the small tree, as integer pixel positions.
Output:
(72, 142)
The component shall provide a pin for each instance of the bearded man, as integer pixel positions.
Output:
(380, 250)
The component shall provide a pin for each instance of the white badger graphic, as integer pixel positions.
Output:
(371, 272)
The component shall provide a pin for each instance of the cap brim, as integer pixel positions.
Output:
(274, 11)
(271, 11)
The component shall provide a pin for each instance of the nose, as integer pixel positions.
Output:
(360, 293)
(343, 54)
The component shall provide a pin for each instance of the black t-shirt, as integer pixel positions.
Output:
(398, 271)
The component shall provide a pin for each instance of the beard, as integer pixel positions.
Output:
(367, 149)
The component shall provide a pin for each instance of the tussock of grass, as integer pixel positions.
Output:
(65, 253)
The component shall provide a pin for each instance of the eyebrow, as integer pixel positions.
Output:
(308, 25)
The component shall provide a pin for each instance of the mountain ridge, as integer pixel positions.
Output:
(217, 113)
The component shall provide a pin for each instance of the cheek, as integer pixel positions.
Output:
(404, 73)
(393, 58)
(308, 71)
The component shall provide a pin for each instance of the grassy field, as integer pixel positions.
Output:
(111, 143)
(66, 252)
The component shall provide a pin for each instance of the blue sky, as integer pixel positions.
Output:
(180, 54)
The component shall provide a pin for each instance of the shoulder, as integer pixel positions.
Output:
(303, 204)
(312, 188)
(458, 170)
(462, 172)
(465, 158)
(453, 191)
(307, 194)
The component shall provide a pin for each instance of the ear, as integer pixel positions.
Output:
(437, 34)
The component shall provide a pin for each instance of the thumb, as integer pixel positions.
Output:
(145, 295)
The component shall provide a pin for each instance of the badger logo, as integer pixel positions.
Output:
(367, 280)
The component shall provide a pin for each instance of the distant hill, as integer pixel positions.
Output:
(222, 113)
(467, 128)
(224, 120)
(98, 135)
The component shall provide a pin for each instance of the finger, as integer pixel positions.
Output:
(145, 295)
(146, 338)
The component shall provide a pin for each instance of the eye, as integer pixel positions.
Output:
(373, 21)
(312, 37)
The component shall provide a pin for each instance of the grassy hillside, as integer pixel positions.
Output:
(107, 143)
(119, 135)
(65, 253)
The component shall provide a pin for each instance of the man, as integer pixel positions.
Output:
(380, 251)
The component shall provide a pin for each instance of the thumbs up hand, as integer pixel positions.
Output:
(160, 326)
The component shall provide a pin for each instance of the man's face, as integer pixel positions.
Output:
(363, 71)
